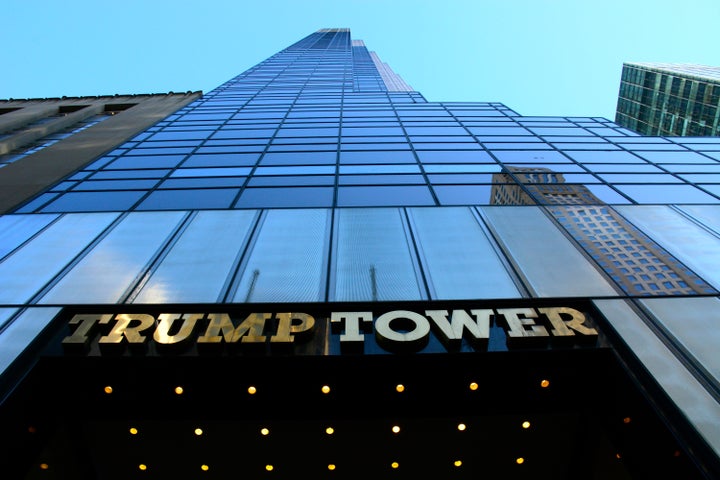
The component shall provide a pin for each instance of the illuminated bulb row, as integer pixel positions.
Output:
(252, 390)
(330, 430)
(331, 466)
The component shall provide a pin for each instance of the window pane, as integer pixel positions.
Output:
(95, 201)
(373, 260)
(549, 263)
(691, 244)
(288, 260)
(189, 199)
(384, 195)
(28, 269)
(15, 229)
(106, 273)
(198, 265)
(253, 197)
(23, 330)
(458, 258)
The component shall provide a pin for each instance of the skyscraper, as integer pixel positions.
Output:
(313, 270)
(670, 99)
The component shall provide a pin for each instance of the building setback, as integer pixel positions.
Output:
(314, 271)
(669, 99)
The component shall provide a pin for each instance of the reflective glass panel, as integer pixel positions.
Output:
(28, 269)
(198, 264)
(548, 262)
(373, 259)
(458, 257)
(287, 262)
(15, 229)
(109, 270)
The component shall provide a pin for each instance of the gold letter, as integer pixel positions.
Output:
(165, 323)
(286, 327)
(122, 328)
(80, 335)
(221, 323)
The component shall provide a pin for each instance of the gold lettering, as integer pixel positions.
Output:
(250, 330)
(123, 328)
(165, 323)
(86, 323)
(519, 326)
(288, 327)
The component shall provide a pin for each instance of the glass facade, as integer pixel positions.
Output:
(320, 177)
(670, 99)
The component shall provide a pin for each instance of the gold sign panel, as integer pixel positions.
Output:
(393, 331)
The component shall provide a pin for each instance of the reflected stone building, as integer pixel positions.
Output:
(314, 270)
(669, 99)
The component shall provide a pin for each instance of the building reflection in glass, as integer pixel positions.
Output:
(628, 256)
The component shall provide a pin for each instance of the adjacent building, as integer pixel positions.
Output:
(669, 99)
(314, 271)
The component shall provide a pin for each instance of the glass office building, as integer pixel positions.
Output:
(669, 99)
(312, 270)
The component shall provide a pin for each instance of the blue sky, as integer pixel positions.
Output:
(539, 57)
